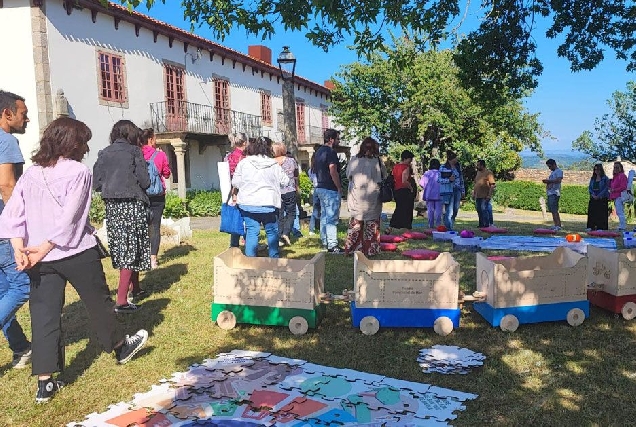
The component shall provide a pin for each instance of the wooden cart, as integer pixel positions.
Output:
(533, 289)
(268, 291)
(611, 277)
(405, 293)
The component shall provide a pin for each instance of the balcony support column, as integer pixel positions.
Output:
(180, 148)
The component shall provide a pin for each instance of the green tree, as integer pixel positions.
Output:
(414, 100)
(500, 52)
(615, 132)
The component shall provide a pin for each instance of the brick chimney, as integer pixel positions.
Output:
(260, 52)
(329, 85)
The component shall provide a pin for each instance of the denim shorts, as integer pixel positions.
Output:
(553, 203)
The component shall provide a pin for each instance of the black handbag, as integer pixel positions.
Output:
(386, 187)
(101, 249)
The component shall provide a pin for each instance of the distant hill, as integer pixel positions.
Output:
(564, 158)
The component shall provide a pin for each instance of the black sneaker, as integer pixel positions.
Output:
(126, 308)
(131, 346)
(336, 250)
(21, 359)
(47, 389)
(139, 295)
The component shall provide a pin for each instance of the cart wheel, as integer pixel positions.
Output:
(509, 323)
(226, 320)
(369, 325)
(298, 325)
(629, 310)
(443, 326)
(576, 316)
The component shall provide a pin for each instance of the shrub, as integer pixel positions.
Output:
(175, 207)
(97, 211)
(204, 203)
(306, 187)
(525, 195)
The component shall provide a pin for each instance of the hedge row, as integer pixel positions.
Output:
(525, 195)
(198, 203)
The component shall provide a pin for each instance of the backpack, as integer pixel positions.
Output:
(156, 187)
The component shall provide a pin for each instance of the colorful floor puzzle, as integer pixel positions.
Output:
(542, 243)
(244, 388)
(449, 359)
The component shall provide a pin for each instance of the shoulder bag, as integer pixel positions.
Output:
(231, 218)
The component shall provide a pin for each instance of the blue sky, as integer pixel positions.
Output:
(568, 102)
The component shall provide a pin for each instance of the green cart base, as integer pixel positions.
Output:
(298, 320)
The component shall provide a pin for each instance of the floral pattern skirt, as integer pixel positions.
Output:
(127, 232)
(363, 236)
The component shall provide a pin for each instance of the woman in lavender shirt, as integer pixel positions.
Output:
(47, 222)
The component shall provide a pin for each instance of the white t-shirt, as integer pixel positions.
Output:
(554, 189)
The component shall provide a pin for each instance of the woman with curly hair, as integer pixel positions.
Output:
(46, 219)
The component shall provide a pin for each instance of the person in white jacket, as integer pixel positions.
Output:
(259, 179)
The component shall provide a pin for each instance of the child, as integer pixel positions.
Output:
(430, 194)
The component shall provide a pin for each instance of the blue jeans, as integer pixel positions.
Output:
(330, 215)
(296, 228)
(457, 199)
(14, 292)
(235, 240)
(253, 223)
(315, 212)
(449, 209)
(484, 212)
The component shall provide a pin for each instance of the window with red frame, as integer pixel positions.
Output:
(222, 111)
(325, 117)
(175, 97)
(112, 77)
(266, 108)
(300, 121)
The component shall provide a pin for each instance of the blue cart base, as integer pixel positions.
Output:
(531, 313)
(404, 317)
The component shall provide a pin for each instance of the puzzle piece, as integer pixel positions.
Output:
(449, 359)
(253, 388)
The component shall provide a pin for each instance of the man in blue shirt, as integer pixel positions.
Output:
(14, 284)
(327, 169)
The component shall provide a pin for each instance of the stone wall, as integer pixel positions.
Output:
(569, 177)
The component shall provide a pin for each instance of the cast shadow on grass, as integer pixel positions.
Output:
(162, 278)
(176, 252)
(76, 327)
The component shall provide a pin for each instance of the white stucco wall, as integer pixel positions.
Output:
(73, 44)
(17, 72)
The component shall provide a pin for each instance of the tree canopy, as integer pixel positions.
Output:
(499, 52)
(615, 132)
(411, 99)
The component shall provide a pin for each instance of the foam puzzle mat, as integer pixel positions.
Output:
(541, 243)
(246, 389)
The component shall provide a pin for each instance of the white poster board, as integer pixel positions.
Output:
(225, 183)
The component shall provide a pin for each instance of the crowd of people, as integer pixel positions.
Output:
(42, 247)
(47, 239)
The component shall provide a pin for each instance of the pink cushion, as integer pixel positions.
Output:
(544, 231)
(603, 233)
(494, 230)
(420, 254)
(416, 235)
(388, 247)
(389, 238)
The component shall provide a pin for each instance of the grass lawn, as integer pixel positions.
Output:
(542, 374)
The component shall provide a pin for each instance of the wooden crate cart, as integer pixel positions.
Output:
(533, 289)
(611, 277)
(405, 293)
(268, 291)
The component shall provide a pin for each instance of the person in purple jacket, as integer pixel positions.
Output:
(46, 219)
(430, 193)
